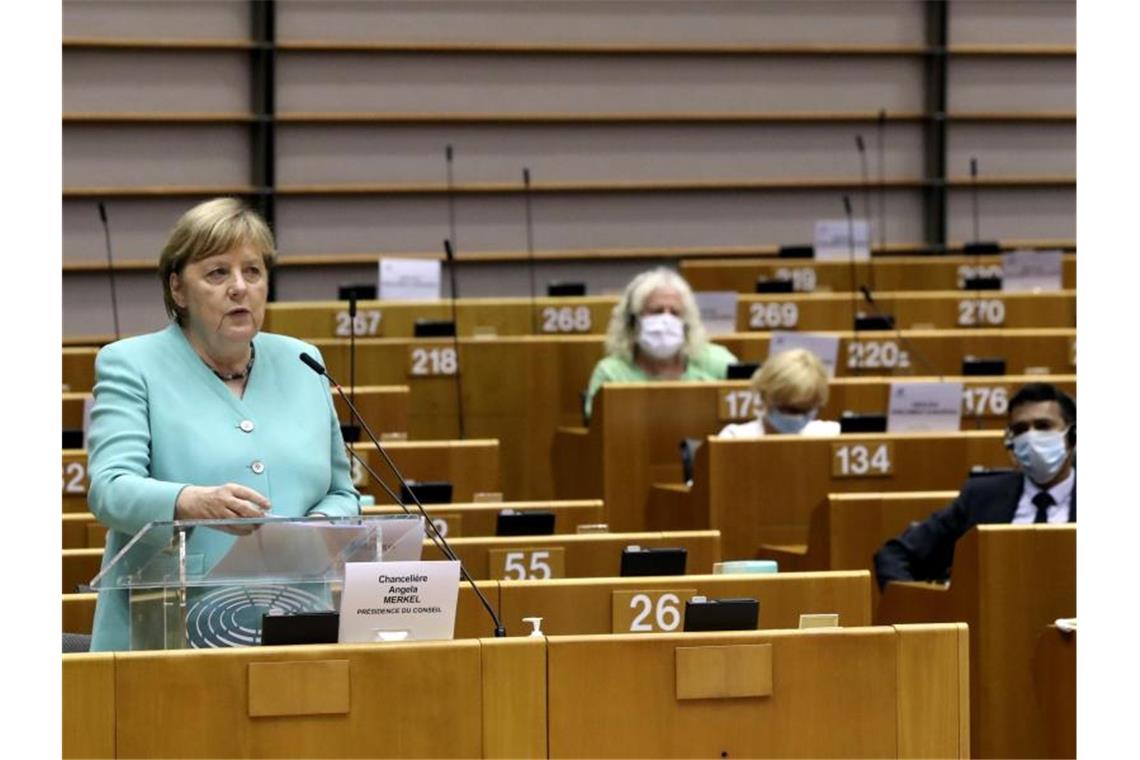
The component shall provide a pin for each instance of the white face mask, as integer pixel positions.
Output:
(660, 335)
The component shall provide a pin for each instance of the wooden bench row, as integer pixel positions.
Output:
(519, 390)
(591, 315)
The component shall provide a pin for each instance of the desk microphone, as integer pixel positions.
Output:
(978, 246)
(110, 268)
(880, 135)
(905, 341)
(352, 344)
(455, 332)
(851, 261)
(449, 156)
(429, 526)
(866, 180)
(530, 251)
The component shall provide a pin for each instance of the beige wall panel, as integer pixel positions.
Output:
(308, 154)
(1014, 213)
(688, 22)
(139, 227)
(166, 155)
(1017, 150)
(179, 19)
(530, 83)
(1020, 85)
(139, 81)
(1041, 22)
(572, 221)
(87, 304)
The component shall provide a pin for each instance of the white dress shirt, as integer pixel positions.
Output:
(755, 429)
(1062, 494)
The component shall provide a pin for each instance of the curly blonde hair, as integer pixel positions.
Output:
(795, 377)
(621, 336)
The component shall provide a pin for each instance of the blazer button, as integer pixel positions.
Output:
(246, 426)
(257, 467)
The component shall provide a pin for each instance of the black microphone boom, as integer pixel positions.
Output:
(455, 333)
(899, 334)
(429, 526)
(110, 268)
(530, 251)
(851, 262)
(449, 156)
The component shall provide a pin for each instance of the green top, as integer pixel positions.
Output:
(711, 363)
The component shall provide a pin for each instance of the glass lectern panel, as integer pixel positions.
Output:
(207, 583)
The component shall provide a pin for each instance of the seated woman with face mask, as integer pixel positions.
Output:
(655, 333)
(792, 386)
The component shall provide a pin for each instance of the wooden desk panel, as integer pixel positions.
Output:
(471, 466)
(1055, 687)
(475, 520)
(1009, 582)
(614, 696)
(881, 274)
(912, 310)
(79, 567)
(78, 612)
(89, 705)
(587, 555)
(476, 316)
(762, 491)
(584, 606)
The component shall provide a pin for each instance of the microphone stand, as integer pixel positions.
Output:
(429, 526)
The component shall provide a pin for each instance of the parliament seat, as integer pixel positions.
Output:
(762, 491)
(881, 274)
(1008, 583)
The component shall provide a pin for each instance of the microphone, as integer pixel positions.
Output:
(530, 250)
(352, 343)
(429, 526)
(448, 157)
(905, 341)
(880, 134)
(978, 246)
(851, 261)
(110, 268)
(865, 179)
(455, 332)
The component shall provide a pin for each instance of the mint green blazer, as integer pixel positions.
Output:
(162, 420)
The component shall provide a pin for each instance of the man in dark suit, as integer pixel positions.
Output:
(1042, 435)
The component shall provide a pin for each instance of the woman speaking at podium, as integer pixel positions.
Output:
(208, 418)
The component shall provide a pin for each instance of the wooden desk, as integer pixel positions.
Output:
(586, 606)
(475, 316)
(883, 692)
(881, 274)
(1055, 687)
(384, 407)
(633, 436)
(591, 555)
(459, 520)
(471, 466)
(762, 491)
(852, 692)
(1009, 582)
(845, 532)
(912, 310)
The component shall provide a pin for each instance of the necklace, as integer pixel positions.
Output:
(237, 375)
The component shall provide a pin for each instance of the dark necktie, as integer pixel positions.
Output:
(1042, 501)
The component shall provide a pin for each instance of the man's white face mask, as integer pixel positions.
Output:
(660, 335)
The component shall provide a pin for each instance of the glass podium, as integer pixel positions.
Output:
(207, 583)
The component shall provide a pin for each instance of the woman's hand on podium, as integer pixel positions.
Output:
(220, 503)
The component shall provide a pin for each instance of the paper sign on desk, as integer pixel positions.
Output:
(925, 408)
(825, 347)
(409, 280)
(718, 311)
(1030, 270)
(385, 601)
(833, 239)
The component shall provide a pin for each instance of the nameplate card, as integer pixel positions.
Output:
(925, 407)
(825, 347)
(718, 311)
(413, 601)
(1028, 271)
(840, 240)
(409, 279)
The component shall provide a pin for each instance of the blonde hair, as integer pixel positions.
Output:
(795, 377)
(208, 229)
(621, 336)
